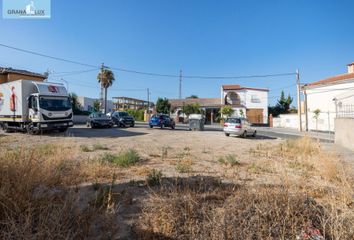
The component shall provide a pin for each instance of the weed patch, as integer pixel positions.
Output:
(123, 159)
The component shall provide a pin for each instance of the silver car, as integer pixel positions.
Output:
(239, 127)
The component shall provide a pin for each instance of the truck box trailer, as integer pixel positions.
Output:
(33, 106)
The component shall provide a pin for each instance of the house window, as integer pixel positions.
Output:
(255, 99)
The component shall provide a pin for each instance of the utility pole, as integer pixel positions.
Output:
(306, 113)
(180, 84)
(101, 93)
(148, 99)
(298, 99)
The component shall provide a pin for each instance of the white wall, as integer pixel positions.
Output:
(321, 97)
(288, 121)
(87, 103)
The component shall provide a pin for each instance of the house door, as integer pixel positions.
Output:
(255, 115)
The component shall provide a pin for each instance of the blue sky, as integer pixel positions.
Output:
(201, 37)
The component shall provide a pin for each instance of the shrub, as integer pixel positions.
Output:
(184, 166)
(138, 114)
(123, 159)
(154, 177)
(85, 148)
(229, 159)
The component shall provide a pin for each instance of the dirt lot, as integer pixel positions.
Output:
(184, 174)
(160, 149)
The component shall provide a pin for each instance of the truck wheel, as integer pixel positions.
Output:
(6, 129)
(31, 130)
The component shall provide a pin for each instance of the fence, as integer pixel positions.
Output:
(345, 110)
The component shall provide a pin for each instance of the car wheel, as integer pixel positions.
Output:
(151, 126)
(227, 134)
(88, 124)
(244, 134)
(92, 125)
(173, 126)
(161, 126)
(132, 125)
(254, 134)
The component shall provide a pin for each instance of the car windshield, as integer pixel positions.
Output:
(156, 116)
(99, 115)
(233, 120)
(54, 104)
(123, 114)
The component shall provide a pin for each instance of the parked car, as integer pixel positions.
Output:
(99, 120)
(122, 119)
(161, 120)
(238, 126)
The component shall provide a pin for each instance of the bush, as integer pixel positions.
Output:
(137, 114)
(229, 159)
(154, 177)
(123, 159)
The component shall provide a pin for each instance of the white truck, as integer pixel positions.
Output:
(34, 106)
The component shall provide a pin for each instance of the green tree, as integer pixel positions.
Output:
(96, 105)
(189, 109)
(74, 102)
(242, 114)
(192, 96)
(227, 111)
(282, 106)
(284, 103)
(106, 79)
(316, 116)
(163, 105)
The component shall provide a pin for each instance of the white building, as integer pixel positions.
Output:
(332, 96)
(246, 101)
(87, 104)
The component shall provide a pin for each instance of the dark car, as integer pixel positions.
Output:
(123, 119)
(161, 120)
(99, 120)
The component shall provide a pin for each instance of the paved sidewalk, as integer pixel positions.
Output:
(328, 137)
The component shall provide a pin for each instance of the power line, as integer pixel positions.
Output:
(239, 77)
(63, 74)
(46, 56)
(144, 73)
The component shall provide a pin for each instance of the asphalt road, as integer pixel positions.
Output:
(81, 130)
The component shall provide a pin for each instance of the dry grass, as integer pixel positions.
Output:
(39, 195)
(322, 202)
(58, 191)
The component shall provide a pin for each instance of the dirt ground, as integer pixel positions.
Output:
(176, 153)
(159, 148)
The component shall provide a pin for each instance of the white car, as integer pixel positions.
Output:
(239, 127)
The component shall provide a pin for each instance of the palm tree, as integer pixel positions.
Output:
(105, 78)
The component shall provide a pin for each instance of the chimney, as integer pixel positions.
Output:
(351, 67)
